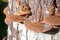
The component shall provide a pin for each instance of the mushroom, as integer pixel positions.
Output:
(5, 11)
(24, 10)
(36, 26)
(16, 18)
(52, 20)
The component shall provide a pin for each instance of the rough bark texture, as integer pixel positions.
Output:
(39, 10)
(25, 34)
(40, 15)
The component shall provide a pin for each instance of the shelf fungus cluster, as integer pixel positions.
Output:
(39, 16)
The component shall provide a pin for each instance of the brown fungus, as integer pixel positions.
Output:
(52, 20)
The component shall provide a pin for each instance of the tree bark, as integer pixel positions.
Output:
(40, 9)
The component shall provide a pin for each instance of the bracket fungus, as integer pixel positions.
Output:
(39, 18)
(23, 10)
(52, 20)
(16, 18)
(37, 26)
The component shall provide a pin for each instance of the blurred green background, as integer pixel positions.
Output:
(3, 26)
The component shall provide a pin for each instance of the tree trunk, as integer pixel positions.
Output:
(23, 34)
(18, 31)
